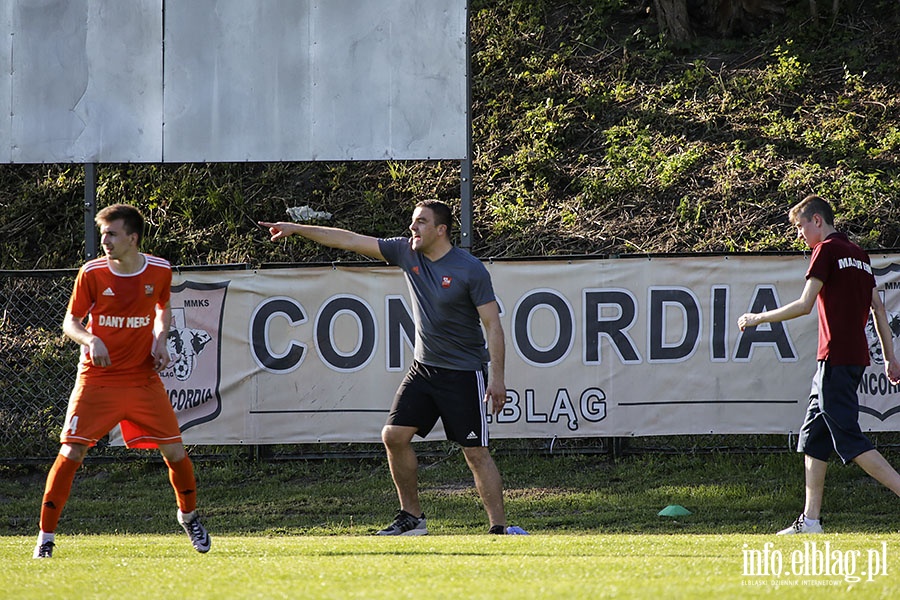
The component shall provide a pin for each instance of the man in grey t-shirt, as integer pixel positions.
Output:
(452, 298)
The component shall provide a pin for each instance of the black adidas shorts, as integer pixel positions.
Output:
(456, 397)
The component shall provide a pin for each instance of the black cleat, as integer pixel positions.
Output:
(44, 550)
(198, 534)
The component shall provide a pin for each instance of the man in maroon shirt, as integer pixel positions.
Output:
(839, 282)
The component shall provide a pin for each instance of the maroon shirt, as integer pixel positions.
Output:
(844, 300)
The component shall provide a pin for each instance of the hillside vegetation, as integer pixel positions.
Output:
(592, 136)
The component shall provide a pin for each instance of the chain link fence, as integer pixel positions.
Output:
(38, 366)
(37, 362)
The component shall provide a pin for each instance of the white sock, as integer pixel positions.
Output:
(43, 538)
(810, 522)
(186, 517)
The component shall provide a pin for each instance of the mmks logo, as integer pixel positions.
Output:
(877, 395)
(875, 351)
(185, 345)
(194, 344)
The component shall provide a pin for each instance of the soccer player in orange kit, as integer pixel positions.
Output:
(125, 296)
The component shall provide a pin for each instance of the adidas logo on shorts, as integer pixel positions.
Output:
(471, 436)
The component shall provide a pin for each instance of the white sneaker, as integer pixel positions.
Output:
(801, 526)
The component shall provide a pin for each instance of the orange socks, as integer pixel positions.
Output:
(181, 474)
(57, 490)
(62, 474)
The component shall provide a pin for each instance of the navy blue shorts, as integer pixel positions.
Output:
(455, 397)
(832, 418)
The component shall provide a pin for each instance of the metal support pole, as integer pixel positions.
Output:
(465, 216)
(90, 211)
(465, 210)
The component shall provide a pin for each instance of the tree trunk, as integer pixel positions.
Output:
(719, 17)
(814, 9)
(734, 17)
(673, 20)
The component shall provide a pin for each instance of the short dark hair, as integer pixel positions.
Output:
(132, 219)
(443, 215)
(809, 206)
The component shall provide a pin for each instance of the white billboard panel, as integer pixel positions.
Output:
(6, 28)
(84, 81)
(231, 80)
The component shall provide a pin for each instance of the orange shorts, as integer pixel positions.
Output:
(144, 412)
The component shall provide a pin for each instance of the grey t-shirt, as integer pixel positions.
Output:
(445, 296)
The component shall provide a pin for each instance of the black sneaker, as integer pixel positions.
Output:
(406, 524)
(44, 550)
(504, 530)
(197, 532)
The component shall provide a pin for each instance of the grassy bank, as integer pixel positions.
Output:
(591, 134)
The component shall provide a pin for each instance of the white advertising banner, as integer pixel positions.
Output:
(115, 81)
(594, 348)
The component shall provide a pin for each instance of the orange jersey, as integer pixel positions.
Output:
(122, 313)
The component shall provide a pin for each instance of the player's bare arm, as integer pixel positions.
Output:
(885, 337)
(495, 393)
(332, 237)
(800, 307)
(77, 332)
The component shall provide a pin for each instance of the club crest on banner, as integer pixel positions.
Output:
(194, 343)
(877, 395)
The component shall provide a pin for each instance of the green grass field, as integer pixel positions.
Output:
(449, 566)
(303, 529)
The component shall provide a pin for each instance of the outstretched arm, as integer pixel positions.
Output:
(799, 307)
(883, 328)
(495, 393)
(327, 236)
